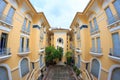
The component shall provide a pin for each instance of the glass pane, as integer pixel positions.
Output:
(2, 6)
(95, 68)
(3, 74)
(24, 67)
(117, 6)
(10, 15)
(109, 15)
(116, 44)
(115, 74)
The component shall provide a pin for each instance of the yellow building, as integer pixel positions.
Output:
(23, 34)
(94, 38)
(98, 47)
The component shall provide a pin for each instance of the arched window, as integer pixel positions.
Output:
(24, 67)
(114, 73)
(5, 72)
(95, 68)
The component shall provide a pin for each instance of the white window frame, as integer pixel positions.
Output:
(20, 66)
(8, 70)
(111, 70)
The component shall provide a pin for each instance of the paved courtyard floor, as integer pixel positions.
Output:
(60, 72)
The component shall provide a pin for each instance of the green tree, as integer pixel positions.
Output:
(69, 56)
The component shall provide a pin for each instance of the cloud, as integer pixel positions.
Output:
(59, 13)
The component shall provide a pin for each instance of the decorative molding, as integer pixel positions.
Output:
(99, 14)
(14, 69)
(105, 70)
(5, 28)
(95, 35)
(85, 61)
(101, 19)
(24, 35)
(115, 29)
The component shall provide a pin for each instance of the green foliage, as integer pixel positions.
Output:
(68, 54)
(77, 71)
(52, 54)
(49, 50)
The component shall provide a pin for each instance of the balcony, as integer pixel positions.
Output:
(23, 52)
(4, 54)
(113, 20)
(42, 50)
(78, 50)
(94, 30)
(114, 55)
(96, 52)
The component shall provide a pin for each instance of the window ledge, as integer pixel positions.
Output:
(23, 53)
(41, 50)
(2, 58)
(115, 29)
(96, 54)
(114, 58)
(95, 32)
(109, 26)
(5, 23)
(78, 51)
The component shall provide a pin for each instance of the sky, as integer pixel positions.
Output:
(59, 13)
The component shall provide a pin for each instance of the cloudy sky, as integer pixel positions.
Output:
(59, 13)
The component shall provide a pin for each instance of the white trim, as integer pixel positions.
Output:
(100, 66)
(24, 35)
(6, 23)
(99, 14)
(84, 61)
(113, 23)
(96, 54)
(111, 69)
(115, 29)
(5, 28)
(36, 60)
(95, 35)
(14, 69)
(105, 70)
(8, 69)
(19, 65)
(117, 59)
(2, 58)
(101, 19)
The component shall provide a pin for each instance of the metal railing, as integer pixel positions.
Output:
(113, 19)
(96, 50)
(5, 51)
(6, 19)
(114, 52)
(27, 50)
(22, 50)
